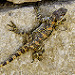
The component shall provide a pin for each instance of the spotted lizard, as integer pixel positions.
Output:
(37, 36)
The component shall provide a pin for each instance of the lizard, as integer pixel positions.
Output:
(37, 36)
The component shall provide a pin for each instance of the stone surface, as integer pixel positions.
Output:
(59, 56)
(22, 1)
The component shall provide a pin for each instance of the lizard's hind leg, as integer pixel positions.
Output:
(26, 35)
(38, 54)
(15, 29)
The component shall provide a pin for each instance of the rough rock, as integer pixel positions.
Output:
(22, 1)
(59, 56)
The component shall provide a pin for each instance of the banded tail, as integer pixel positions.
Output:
(20, 51)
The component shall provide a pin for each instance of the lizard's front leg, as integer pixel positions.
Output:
(59, 23)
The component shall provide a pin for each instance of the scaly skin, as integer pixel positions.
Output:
(38, 35)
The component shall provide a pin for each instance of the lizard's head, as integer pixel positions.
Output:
(59, 14)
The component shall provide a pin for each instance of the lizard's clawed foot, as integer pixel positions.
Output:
(13, 28)
(38, 55)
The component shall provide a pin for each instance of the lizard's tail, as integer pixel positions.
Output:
(20, 51)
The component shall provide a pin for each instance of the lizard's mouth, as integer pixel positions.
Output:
(59, 14)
